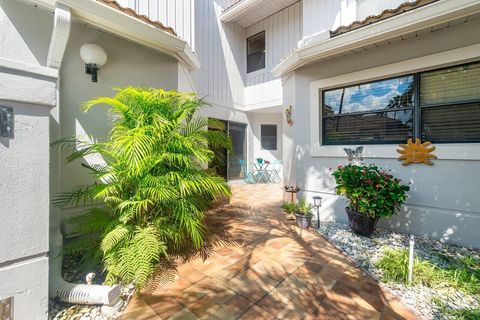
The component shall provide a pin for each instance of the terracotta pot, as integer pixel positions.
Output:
(303, 221)
(360, 223)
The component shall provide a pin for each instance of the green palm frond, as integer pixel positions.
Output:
(154, 186)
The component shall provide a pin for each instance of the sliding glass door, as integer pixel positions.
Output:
(227, 163)
(237, 134)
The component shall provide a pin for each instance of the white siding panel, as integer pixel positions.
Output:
(373, 7)
(282, 32)
(176, 14)
(221, 51)
(321, 15)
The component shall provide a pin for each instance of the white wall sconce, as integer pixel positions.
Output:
(94, 57)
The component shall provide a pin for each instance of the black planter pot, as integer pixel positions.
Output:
(360, 223)
(303, 221)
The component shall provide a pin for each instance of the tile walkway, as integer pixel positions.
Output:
(261, 266)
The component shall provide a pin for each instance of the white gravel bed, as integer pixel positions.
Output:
(366, 251)
(67, 311)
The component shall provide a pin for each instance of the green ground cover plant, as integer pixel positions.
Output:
(462, 274)
(150, 196)
(459, 314)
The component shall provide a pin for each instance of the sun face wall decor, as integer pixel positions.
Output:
(416, 152)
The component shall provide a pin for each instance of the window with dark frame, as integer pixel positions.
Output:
(256, 52)
(441, 106)
(268, 136)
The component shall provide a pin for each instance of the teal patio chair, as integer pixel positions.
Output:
(275, 171)
(248, 176)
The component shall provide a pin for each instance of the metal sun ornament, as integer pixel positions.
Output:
(416, 152)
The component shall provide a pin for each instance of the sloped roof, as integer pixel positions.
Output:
(385, 14)
(233, 4)
(157, 24)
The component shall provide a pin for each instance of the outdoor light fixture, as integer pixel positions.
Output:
(317, 203)
(94, 57)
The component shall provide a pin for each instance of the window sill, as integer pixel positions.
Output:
(453, 151)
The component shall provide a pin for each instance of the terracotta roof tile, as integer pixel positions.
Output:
(114, 4)
(385, 14)
(233, 4)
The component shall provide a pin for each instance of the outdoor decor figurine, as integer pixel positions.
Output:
(416, 152)
(354, 153)
(288, 113)
(292, 190)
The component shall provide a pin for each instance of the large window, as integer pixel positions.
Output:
(439, 106)
(256, 52)
(268, 136)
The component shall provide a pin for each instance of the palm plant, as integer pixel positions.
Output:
(153, 186)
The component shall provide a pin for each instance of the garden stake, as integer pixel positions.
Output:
(410, 260)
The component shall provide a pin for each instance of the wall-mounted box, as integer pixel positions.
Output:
(6, 309)
(6, 122)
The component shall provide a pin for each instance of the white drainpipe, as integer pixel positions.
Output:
(58, 287)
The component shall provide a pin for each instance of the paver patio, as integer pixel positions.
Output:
(261, 266)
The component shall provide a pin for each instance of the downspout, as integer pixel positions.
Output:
(58, 287)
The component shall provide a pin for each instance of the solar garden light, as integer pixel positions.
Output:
(317, 203)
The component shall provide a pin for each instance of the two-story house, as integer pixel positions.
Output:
(294, 81)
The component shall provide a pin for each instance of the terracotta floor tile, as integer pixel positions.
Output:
(184, 314)
(265, 267)
(256, 313)
(164, 306)
(139, 309)
(272, 269)
(251, 285)
(197, 291)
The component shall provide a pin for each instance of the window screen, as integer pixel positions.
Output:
(450, 104)
(256, 52)
(268, 133)
(370, 113)
(441, 106)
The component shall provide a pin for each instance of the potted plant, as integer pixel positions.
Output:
(289, 208)
(303, 213)
(372, 193)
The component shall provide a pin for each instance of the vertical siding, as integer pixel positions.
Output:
(220, 49)
(282, 32)
(373, 7)
(177, 14)
(321, 15)
(325, 15)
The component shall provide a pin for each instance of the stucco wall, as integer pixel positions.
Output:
(25, 32)
(267, 118)
(444, 199)
(24, 176)
(128, 64)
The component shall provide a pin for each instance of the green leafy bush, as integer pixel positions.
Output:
(153, 189)
(289, 207)
(370, 190)
(462, 274)
(303, 207)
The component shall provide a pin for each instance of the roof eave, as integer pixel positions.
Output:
(423, 17)
(237, 10)
(117, 22)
